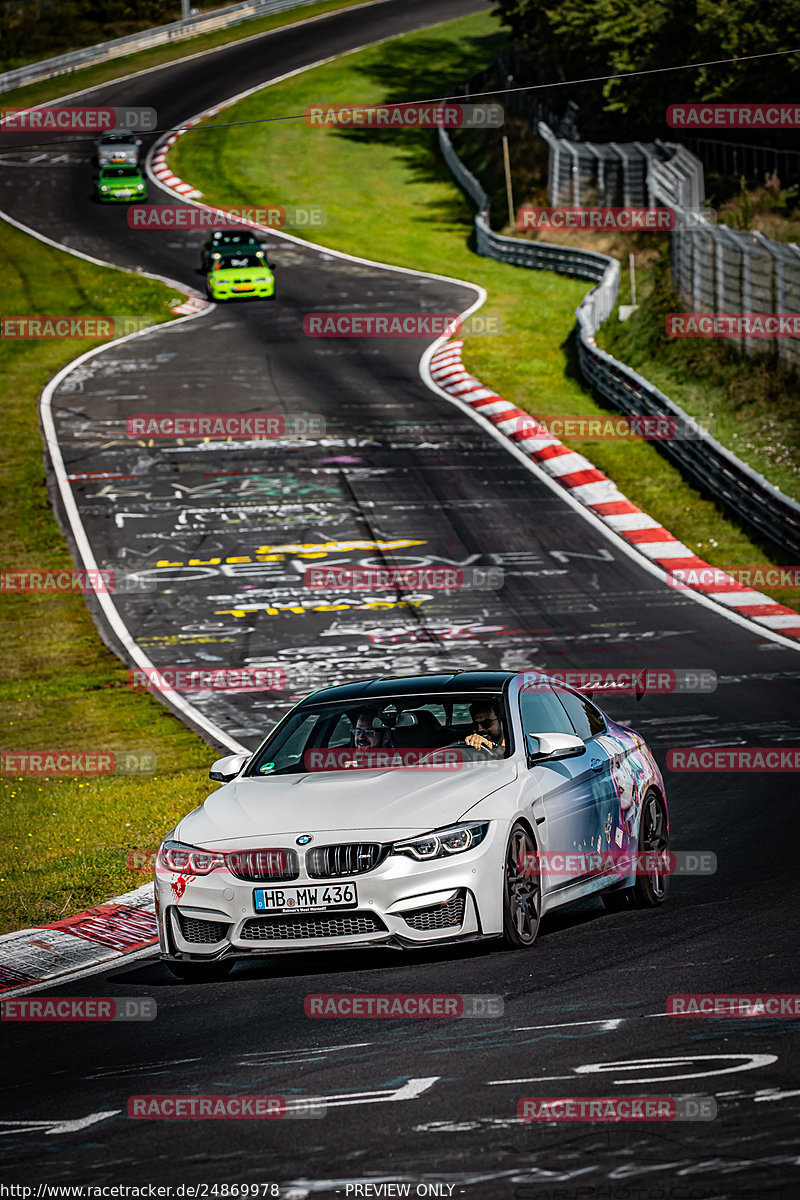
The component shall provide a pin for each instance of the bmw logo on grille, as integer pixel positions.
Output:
(304, 839)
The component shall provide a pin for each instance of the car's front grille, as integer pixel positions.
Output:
(263, 866)
(196, 929)
(349, 858)
(437, 916)
(279, 929)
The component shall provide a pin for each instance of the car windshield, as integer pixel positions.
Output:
(118, 139)
(398, 731)
(120, 173)
(236, 262)
(235, 239)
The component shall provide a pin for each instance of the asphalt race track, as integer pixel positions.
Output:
(584, 1010)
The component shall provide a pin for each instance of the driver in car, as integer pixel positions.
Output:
(488, 733)
(367, 738)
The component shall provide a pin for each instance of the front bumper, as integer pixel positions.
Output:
(261, 291)
(113, 198)
(401, 903)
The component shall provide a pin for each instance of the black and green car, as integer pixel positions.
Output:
(222, 241)
(124, 184)
(240, 273)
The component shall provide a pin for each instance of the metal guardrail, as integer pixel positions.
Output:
(713, 468)
(219, 18)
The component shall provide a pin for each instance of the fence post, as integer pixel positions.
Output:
(747, 290)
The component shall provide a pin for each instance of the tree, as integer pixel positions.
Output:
(585, 38)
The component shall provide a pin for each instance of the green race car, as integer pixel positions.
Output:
(121, 183)
(242, 273)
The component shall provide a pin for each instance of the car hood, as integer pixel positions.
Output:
(246, 272)
(385, 804)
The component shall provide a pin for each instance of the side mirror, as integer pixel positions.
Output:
(548, 747)
(226, 769)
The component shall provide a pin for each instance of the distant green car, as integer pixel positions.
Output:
(243, 274)
(121, 183)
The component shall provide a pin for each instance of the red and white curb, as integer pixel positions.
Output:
(601, 495)
(194, 304)
(100, 935)
(164, 175)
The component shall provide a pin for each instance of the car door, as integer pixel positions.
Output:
(560, 793)
(605, 821)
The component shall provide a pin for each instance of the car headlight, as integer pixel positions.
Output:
(443, 842)
(188, 860)
(103, 187)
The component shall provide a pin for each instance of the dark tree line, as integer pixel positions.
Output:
(575, 39)
(31, 29)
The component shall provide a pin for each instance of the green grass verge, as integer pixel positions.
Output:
(64, 840)
(748, 403)
(89, 77)
(390, 197)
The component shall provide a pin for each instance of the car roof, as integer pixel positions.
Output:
(232, 233)
(418, 685)
(114, 135)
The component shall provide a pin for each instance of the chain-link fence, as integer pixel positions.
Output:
(715, 269)
(737, 159)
